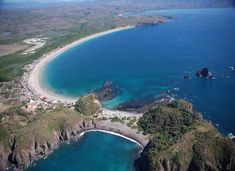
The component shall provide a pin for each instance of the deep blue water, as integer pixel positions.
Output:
(146, 61)
(94, 151)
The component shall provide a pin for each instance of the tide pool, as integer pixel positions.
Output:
(94, 151)
(147, 61)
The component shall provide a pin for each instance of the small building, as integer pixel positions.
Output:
(30, 107)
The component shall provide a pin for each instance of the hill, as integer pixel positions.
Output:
(182, 140)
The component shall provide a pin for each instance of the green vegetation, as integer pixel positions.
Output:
(117, 119)
(181, 140)
(11, 65)
(171, 119)
(40, 127)
(131, 122)
(87, 105)
(39, 136)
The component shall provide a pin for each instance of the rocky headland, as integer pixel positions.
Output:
(182, 140)
(174, 136)
(20, 146)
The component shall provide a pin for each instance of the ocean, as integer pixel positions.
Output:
(149, 60)
(146, 62)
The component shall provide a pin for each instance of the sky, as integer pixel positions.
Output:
(35, 1)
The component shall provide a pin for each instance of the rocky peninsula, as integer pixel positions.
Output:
(174, 136)
(20, 147)
(182, 140)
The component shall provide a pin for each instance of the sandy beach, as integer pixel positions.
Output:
(114, 133)
(35, 75)
(121, 130)
(112, 113)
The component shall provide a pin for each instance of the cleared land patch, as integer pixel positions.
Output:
(11, 48)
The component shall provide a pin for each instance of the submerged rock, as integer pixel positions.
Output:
(143, 104)
(187, 77)
(108, 91)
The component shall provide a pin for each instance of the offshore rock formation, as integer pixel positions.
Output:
(205, 73)
(108, 91)
(182, 140)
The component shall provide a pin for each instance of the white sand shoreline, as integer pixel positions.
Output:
(113, 133)
(35, 76)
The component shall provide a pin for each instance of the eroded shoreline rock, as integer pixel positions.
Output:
(108, 91)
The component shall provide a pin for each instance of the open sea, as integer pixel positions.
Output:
(146, 62)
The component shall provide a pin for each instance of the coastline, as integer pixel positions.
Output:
(115, 134)
(115, 129)
(34, 80)
(139, 139)
(124, 131)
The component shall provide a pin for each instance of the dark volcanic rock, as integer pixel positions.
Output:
(108, 91)
(205, 73)
(136, 104)
(142, 105)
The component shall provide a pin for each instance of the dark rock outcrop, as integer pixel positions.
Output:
(108, 91)
(144, 104)
(205, 73)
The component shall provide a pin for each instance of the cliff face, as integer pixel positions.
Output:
(38, 140)
(181, 140)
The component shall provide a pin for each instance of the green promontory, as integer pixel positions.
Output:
(87, 105)
(182, 140)
(22, 145)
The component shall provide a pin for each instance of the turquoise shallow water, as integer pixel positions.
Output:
(94, 151)
(147, 61)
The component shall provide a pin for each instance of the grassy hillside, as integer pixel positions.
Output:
(26, 137)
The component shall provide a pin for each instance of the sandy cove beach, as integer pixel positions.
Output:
(112, 113)
(121, 130)
(35, 76)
